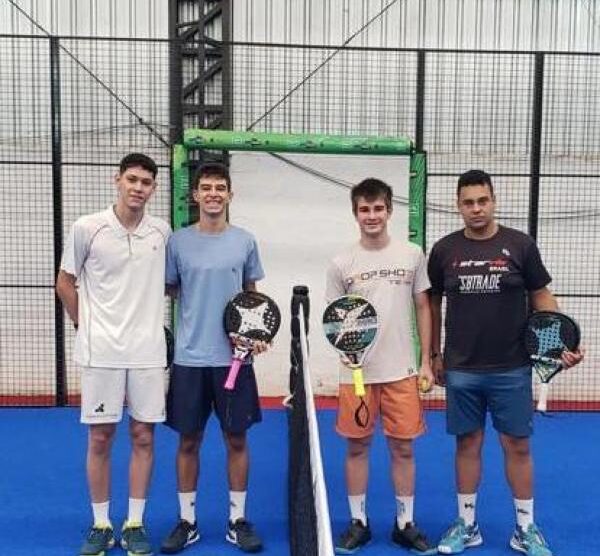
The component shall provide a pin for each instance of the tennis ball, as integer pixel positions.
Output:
(424, 385)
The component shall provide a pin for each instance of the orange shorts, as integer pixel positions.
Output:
(398, 403)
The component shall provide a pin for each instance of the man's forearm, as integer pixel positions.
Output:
(67, 293)
(543, 300)
(423, 314)
(436, 323)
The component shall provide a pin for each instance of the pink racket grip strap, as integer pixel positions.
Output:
(233, 372)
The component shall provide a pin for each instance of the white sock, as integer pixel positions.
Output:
(358, 507)
(100, 511)
(524, 511)
(187, 506)
(136, 510)
(237, 505)
(404, 510)
(466, 507)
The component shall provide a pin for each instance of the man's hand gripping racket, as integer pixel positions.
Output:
(552, 342)
(350, 326)
(251, 321)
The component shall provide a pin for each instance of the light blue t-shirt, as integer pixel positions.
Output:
(209, 270)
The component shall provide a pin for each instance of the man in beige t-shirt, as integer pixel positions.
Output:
(392, 275)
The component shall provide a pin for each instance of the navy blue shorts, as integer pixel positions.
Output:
(195, 392)
(506, 394)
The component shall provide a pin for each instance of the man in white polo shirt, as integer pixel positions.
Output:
(111, 283)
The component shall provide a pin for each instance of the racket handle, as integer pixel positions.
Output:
(359, 385)
(542, 405)
(233, 372)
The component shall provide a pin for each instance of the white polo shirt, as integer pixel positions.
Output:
(121, 278)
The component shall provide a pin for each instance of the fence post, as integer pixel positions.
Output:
(57, 199)
(420, 101)
(536, 144)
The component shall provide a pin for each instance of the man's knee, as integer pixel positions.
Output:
(359, 447)
(189, 444)
(236, 443)
(101, 438)
(142, 436)
(515, 446)
(400, 449)
(470, 444)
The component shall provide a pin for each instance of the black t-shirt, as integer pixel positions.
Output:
(486, 284)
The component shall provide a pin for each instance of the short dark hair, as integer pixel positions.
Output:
(212, 169)
(474, 177)
(138, 159)
(371, 189)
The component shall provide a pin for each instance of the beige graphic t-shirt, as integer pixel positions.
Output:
(388, 278)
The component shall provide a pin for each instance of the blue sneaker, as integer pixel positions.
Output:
(458, 537)
(99, 540)
(530, 541)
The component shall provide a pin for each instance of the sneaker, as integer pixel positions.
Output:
(410, 537)
(99, 540)
(242, 534)
(355, 537)
(184, 534)
(530, 541)
(459, 537)
(134, 539)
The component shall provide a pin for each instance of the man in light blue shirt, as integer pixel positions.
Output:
(207, 264)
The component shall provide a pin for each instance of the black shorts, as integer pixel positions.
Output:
(194, 392)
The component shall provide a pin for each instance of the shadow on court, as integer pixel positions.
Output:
(44, 507)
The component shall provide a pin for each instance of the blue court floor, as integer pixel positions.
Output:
(44, 507)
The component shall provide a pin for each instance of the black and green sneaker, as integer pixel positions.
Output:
(99, 540)
(354, 538)
(242, 534)
(410, 537)
(134, 540)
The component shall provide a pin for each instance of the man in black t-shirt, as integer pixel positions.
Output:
(489, 274)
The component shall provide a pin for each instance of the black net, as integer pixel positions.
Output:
(301, 497)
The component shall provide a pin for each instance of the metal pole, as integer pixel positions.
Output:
(420, 101)
(175, 78)
(55, 117)
(536, 144)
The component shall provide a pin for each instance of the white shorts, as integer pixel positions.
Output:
(103, 392)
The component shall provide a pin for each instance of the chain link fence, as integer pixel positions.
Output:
(73, 107)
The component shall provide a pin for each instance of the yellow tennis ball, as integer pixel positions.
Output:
(424, 385)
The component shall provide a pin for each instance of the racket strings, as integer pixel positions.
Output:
(351, 327)
(550, 343)
(259, 322)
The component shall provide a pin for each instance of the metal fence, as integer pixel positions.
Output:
(73, 107)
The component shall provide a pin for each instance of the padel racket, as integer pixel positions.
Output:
(547, 335)
(249, 317)
(350, 326)
(170, 343)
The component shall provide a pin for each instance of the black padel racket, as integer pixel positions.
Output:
(249, 317)
(170, 343)
(350, 326)
(547, 335)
